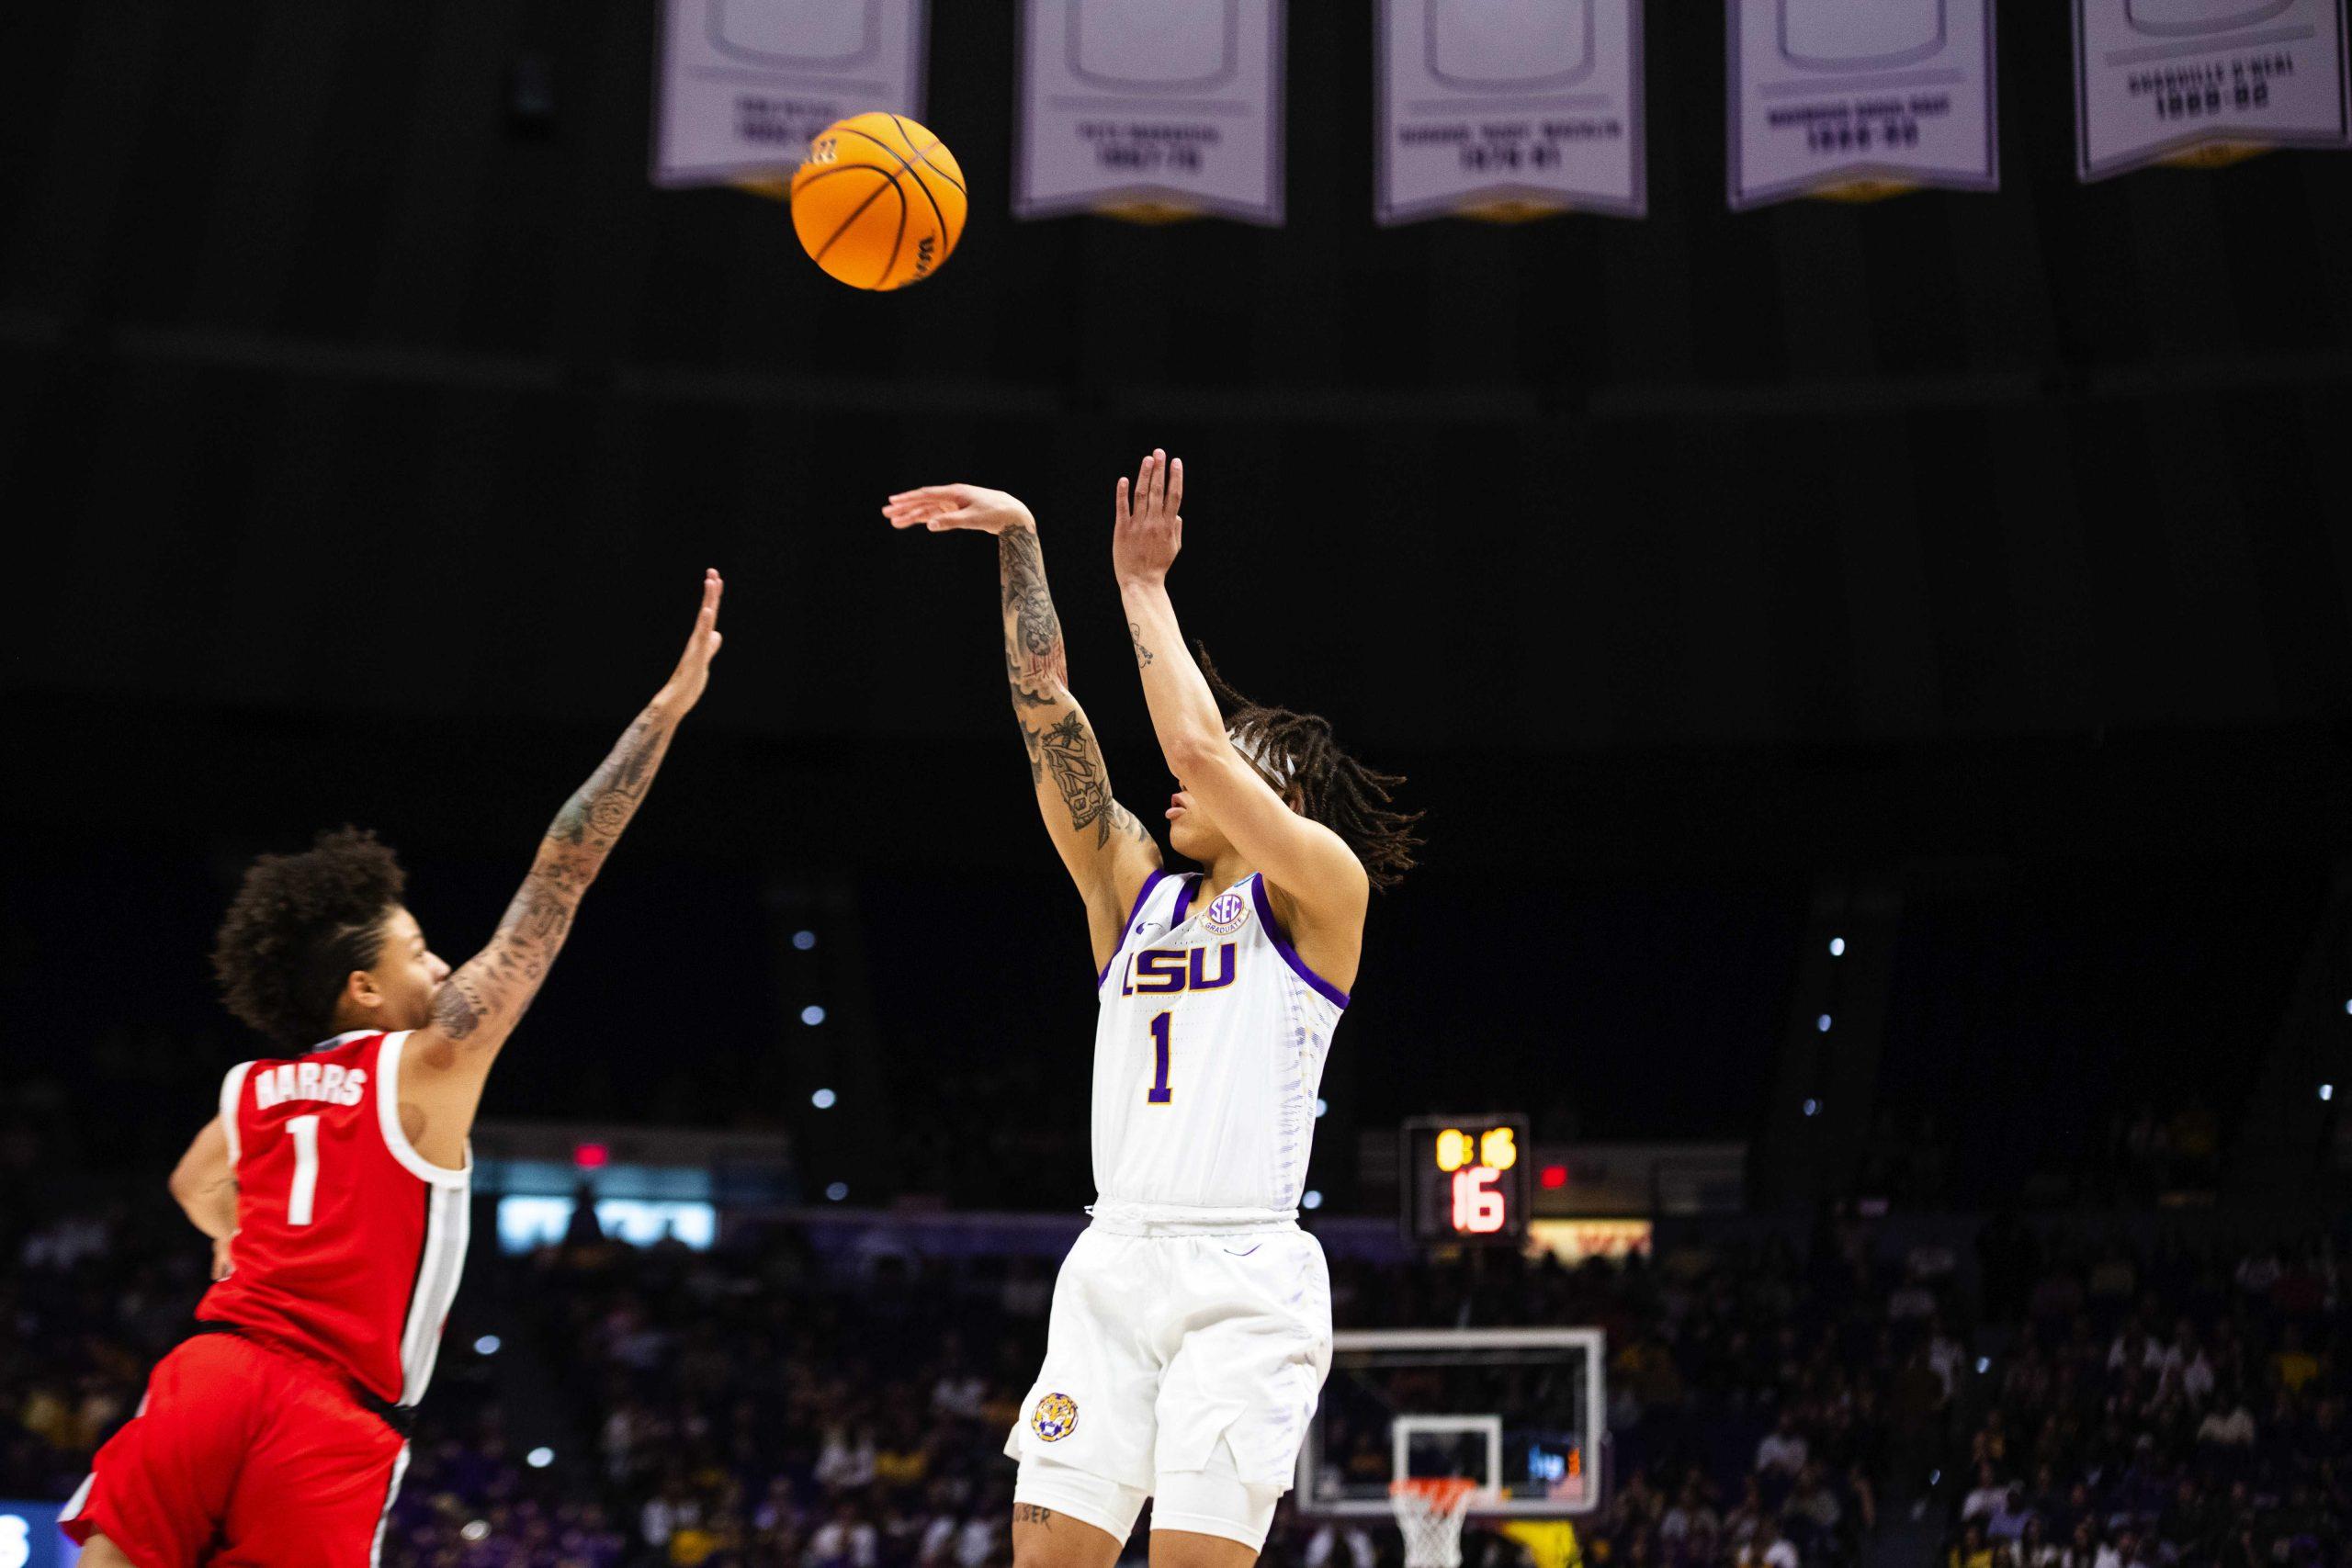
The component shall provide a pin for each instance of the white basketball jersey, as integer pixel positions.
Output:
(1207, 1053)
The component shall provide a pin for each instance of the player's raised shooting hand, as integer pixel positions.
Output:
(1146, 532)
(942, 508)
(684, 689)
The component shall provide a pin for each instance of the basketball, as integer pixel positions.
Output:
(879, 204)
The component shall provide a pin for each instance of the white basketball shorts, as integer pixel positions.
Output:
(1173, 1363)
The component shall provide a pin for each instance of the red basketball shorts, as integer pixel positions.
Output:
(243, 1457)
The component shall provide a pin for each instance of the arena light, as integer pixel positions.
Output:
(1313, 1199)
(1822, 1024)
(476, 1530)
(539, 1459)
(1553, 1177)
(1322, 1107)
(804, 941)
(837, 1190)
(1837, 947)
(1812, 1108)
(823, 1099)
(2327, 1091)
(486, 1346)
(591, 1157)
(812, 1015)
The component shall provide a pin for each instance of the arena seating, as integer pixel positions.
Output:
(2104, 1406)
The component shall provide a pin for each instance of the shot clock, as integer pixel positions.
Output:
(1466, 1179)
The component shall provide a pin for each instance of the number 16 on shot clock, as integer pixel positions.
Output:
(1465, 1180)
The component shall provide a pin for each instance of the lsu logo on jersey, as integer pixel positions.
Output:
(1055, 1419)
(1165, 972)
(1227, 915)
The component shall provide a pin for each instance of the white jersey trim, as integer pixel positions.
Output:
(391, 1494)
(388, 1121)
(233, 1089)
(441, 1262)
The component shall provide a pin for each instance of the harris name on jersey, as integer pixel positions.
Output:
(308, 1080)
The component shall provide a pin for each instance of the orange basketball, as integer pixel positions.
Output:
(879, 204)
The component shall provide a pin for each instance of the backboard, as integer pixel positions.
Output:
(1521, 1411)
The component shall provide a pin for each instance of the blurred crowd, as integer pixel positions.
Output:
(2042, 1401)
(2177, 1404)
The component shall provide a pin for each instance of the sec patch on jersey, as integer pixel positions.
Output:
(1055, 1419)
(1227, 915)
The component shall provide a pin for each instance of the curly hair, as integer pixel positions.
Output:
(1329, 786)
(298, 925)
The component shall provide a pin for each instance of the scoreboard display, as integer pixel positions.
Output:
(1464, 1179)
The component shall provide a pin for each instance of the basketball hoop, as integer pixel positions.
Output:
(1429, 1510)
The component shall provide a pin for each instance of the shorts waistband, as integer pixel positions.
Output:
(400, 1418)
(1120, 1217)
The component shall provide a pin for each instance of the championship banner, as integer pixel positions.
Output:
(1856, 100)
(2206, 81)
(1508, 110)
(1151, 108)
(745, 84)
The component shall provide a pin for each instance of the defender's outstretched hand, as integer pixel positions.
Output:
(685, 687)
(940, 508)
(1146, 532)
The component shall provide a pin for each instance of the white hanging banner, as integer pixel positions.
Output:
(1860, 98)
(1510, 108)
(744, 83)
(2206, 81)
(1151, 108)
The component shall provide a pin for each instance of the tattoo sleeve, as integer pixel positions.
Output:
(1061, 745)
(1033, 632)
(500, 980)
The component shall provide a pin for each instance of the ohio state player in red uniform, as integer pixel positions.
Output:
(334, 1184)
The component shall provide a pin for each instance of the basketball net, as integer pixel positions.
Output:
(1429, 1510)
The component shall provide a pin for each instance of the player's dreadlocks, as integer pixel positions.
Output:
(299, 925)
(1331, 786)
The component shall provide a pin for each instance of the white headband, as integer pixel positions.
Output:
(1281, 775)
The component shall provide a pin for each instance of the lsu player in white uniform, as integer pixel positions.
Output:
(1191, 1322)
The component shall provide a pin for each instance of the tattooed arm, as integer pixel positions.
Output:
(445, 1063)
(1109, 852)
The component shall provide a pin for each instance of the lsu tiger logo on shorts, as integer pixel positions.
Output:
(1055, 1419)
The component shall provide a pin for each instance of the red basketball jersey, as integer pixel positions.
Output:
(348, 1244)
